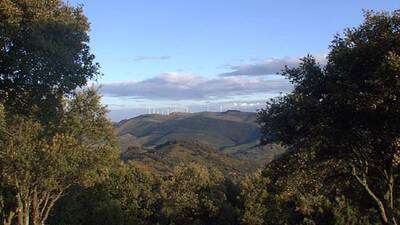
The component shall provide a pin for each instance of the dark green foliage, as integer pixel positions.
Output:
(44, 55)
(7, 201)
(192, 194)
(164, 158)
(291, 190)
(128, 196)
(346, 114)
(39, 167)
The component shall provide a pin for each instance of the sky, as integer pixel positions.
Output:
(161, 56)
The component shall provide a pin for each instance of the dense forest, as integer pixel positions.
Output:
(60, 162)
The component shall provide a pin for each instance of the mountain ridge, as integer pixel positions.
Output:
(230, 137)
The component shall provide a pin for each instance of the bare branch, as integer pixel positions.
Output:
(50, 206)
(364, 182)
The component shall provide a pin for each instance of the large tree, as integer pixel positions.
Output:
(39, 167)
(50, 137)
(44, 55)
(194, 194)
(349, 108)
(129, 196)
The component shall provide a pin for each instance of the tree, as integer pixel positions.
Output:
(44, 55)
(136, 192)
(193, 194)
(297, 188)
(128, 196)
(349, 108)
(254, 194)
(40, 168)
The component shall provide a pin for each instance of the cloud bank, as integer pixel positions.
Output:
(267, 66)
(174, 86)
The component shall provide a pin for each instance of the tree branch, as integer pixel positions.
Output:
(364, 182)
(50, 206)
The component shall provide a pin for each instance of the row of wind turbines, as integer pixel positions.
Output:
(179, 109)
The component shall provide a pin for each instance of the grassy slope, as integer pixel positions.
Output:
(228, 141)
(216, 129)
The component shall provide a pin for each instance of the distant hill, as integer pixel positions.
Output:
(227, 140)
(220, 130)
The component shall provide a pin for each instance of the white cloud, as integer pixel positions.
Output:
(267, 67)
(174, 86)
(151, 58)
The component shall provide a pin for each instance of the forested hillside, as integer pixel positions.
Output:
(228, 140)
(219, 130)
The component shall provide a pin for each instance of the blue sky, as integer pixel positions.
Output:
(153, 53)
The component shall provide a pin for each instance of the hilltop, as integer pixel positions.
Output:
(219, 130)
(226, 140)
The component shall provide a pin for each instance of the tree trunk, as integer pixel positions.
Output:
(27, 211)
(50, 206)
(390, 196)
(32, 210)
(35, 209)
(20, 210)
(386, 205)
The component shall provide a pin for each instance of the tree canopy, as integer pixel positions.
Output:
(349, 108)
(40, 168)
(44, 55)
